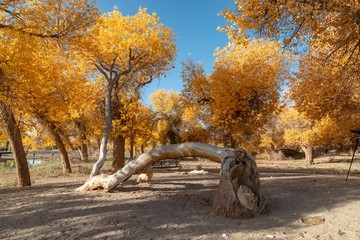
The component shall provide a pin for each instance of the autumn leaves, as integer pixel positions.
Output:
(324, 40)
(64, 66)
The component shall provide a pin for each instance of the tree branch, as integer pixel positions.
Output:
(102, 71)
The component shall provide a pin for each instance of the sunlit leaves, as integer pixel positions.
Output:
(140, 40)
(241, 93)
(176, 119)
(326, 89)
(334, 23)
(60, 19)
(245, 85)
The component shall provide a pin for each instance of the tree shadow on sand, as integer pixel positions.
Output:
(171, 207)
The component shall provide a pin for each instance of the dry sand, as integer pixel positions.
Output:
(301, 204)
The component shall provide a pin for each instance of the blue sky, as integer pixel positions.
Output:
(194, 23)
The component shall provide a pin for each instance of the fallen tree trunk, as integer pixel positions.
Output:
(238, 195)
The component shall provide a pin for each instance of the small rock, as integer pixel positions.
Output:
(269, 236)
(313, 220)
(225, 236)
(198, 172)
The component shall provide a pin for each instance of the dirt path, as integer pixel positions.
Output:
(301, 205)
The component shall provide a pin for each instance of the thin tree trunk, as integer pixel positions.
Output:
(84, 152)
(112, 76)
(238, 195)
(229, 141)
(132, 147)
(14, 135)
(309, 158)
(82, 139)
(172, 136)
(106, 133)
(64, 156)
(118, 153)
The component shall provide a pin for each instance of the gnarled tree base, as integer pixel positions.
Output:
(238, 195)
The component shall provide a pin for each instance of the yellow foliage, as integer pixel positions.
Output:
(48, 19)
(241, 94)
(320, 89)
(302, 131)
(318, 23)
(115, 35)
(245, 85)
(165, 102)
(176, 117)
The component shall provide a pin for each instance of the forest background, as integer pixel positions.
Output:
(72, 78)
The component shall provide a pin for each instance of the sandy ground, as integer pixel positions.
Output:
(301, 204)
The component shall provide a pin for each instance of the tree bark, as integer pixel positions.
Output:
(118, 153)
(171, 135)
(14, 135)
(132, 147)
(119, 141)
(309, 158)
(106, 133)
(238, 195)
(84, 154)
(64, 156)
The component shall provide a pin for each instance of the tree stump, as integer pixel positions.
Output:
(239, 192)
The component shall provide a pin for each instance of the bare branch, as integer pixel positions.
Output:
(102, 71)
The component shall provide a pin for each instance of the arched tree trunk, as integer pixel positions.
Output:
(309, 158)
(13, 132)
(238, 195)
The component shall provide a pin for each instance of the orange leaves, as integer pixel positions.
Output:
(114, 35)
(299, 130)
(165, 102)
(245, 83)
(238, 98)
(327, 89)
(62, 19)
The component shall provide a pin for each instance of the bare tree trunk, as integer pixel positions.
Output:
(172, 136)
(229, 141)
(106, 133)
(238, 195)
(64, 157)
(132, 143)
(84, 154)
(142, 149)
(13, 132)
(118, 153)
(119, 141)
(309, 158)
